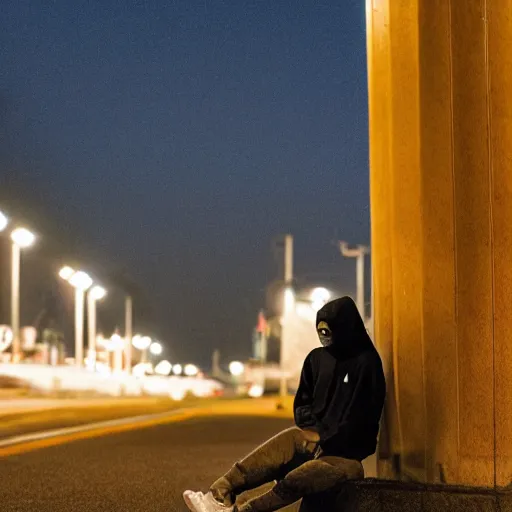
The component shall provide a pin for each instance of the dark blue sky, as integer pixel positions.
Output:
(182, 136)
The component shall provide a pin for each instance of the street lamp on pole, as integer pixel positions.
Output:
(142, 343)
(21, 239)
(128, 332)
(359, 253)
(156, 348)
(319, 297)
(95, 294)
(288, 307)
(81, 282)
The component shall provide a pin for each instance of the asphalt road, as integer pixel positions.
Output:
(141, 470)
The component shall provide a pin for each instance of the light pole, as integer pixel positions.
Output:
(116, 345)
(359, 253)
(81, 282)
(95, 294)
(21, 239)
(289, 305)
(128, 332)
(142, 343)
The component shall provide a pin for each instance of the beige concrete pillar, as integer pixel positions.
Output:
(440, 93)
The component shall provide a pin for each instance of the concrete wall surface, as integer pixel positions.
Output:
(440, 102)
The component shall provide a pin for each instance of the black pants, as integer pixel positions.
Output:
(290, 459)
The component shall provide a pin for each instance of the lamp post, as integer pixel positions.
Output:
(128, 333)
(21, 239)
(359, 252)
(116, 345)
(81, 282)
(95, 294)
(289, 306)
(142, 343)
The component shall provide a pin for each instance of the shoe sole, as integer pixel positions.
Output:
(189, 503)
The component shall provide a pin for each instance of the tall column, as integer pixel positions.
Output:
(440, 76)
(379, 73)
(499, 41)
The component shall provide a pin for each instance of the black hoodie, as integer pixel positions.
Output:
(342, 387)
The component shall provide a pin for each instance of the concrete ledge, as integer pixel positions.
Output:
(373, 495)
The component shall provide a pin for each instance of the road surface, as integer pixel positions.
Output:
(141, 470)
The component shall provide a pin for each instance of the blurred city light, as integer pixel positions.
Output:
(97, 292)
(320, 294)
(6, 337)
(163, 368)
(23, 237)
(177, 369)
(236, 368)
(177, 394)
(156, 348)
(80, 280)
(289, 300)
(140, 369)
(191, 370)
(136, 341)
(116, 342)
(66, 273)
(3, 221)
(256, 391)
(145, 342)
(319, 297)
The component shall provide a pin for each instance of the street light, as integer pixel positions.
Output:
(142, 343)
(95, 294)
(66, 273)
(236, 368)
(177, 369)
(163, 368)
(156, 348)
(21, 239)
(81, 282)
(191, 370)
(319, 297)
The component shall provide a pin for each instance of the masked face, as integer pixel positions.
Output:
(324, 333)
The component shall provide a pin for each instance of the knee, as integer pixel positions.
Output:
(313, 477)
(307, 478)
(292, 432)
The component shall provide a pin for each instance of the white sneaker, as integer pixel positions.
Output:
(199, 502)
(194, 501)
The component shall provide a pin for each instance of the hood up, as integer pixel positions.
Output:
(341, 328)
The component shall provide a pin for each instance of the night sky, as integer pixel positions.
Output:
(179, 138)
